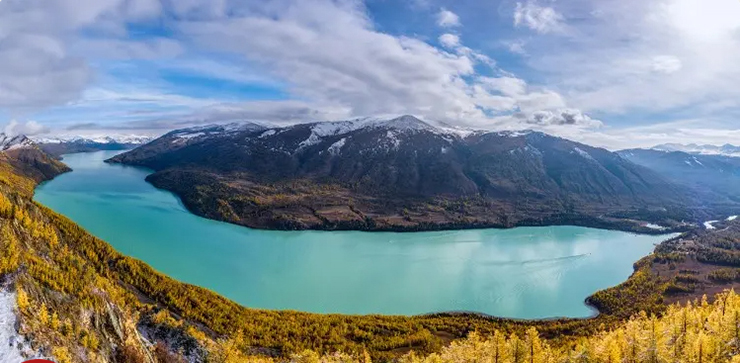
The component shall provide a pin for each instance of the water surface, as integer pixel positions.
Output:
(532, 272)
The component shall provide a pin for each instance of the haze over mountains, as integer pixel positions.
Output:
(405, 174)
(58, 145)
(716, 177)
(727, 149)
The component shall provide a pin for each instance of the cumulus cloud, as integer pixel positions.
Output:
(43, 55)
(516, 47)
(29, 128)
(449, 40)
(332, 55)
(560, 117)
(509, 86)
(542, 19)
(625, 60)
(326, 53)
(447, 19)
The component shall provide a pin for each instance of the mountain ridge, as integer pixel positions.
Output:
(60, 145)
(403, 174)
(706, 149)
(8, 142)
(715, 177)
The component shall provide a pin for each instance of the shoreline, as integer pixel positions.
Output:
(596, 313)
(349, 226)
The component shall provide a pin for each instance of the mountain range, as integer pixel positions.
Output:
(405, 174)
(71, 144)
(714, 177)
(726, 150)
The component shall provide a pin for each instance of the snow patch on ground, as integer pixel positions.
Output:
(710, 225)
(404, 124)
(267, 133)
(583, 153)
(12, 344)
(191, 136)
(731, 218)
(518, 133)
(336, 148)
(393, 138)
(655, 227)
(527, 149)
(216, 130)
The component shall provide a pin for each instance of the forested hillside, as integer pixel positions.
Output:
(404, 174)
(696, 333)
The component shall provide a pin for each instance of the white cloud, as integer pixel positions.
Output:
(635, 62)
(449, 40)
(508, 86)
(326, 53)
(516, 47)
(560, 117)
(541, 19)
(40, 41)
(666, 64)
(702, 22)
(28, 128)
(331, 55)
(537, 101)
(447, 19)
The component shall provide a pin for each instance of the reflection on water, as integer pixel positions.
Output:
(520, 273)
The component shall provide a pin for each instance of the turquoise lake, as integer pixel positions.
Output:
(532, 272)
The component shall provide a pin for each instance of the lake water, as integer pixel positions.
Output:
(533, 272)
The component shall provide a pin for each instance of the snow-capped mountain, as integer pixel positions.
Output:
(216, 130)
(115, 139)
(14, 142)
(727, 149)
(68, 144)
(383, 165)
(320, 130)
(718, 175)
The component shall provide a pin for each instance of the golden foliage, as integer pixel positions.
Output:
(77, 294)
(696, 333)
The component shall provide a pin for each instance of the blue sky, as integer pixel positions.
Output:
(613, 73)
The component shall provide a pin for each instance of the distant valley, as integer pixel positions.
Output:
(405, 174)
(713, 177)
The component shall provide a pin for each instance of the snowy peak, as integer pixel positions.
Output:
(726, 150)
(14, 142)
(216, 130)
(85, 140)
(403, 123)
